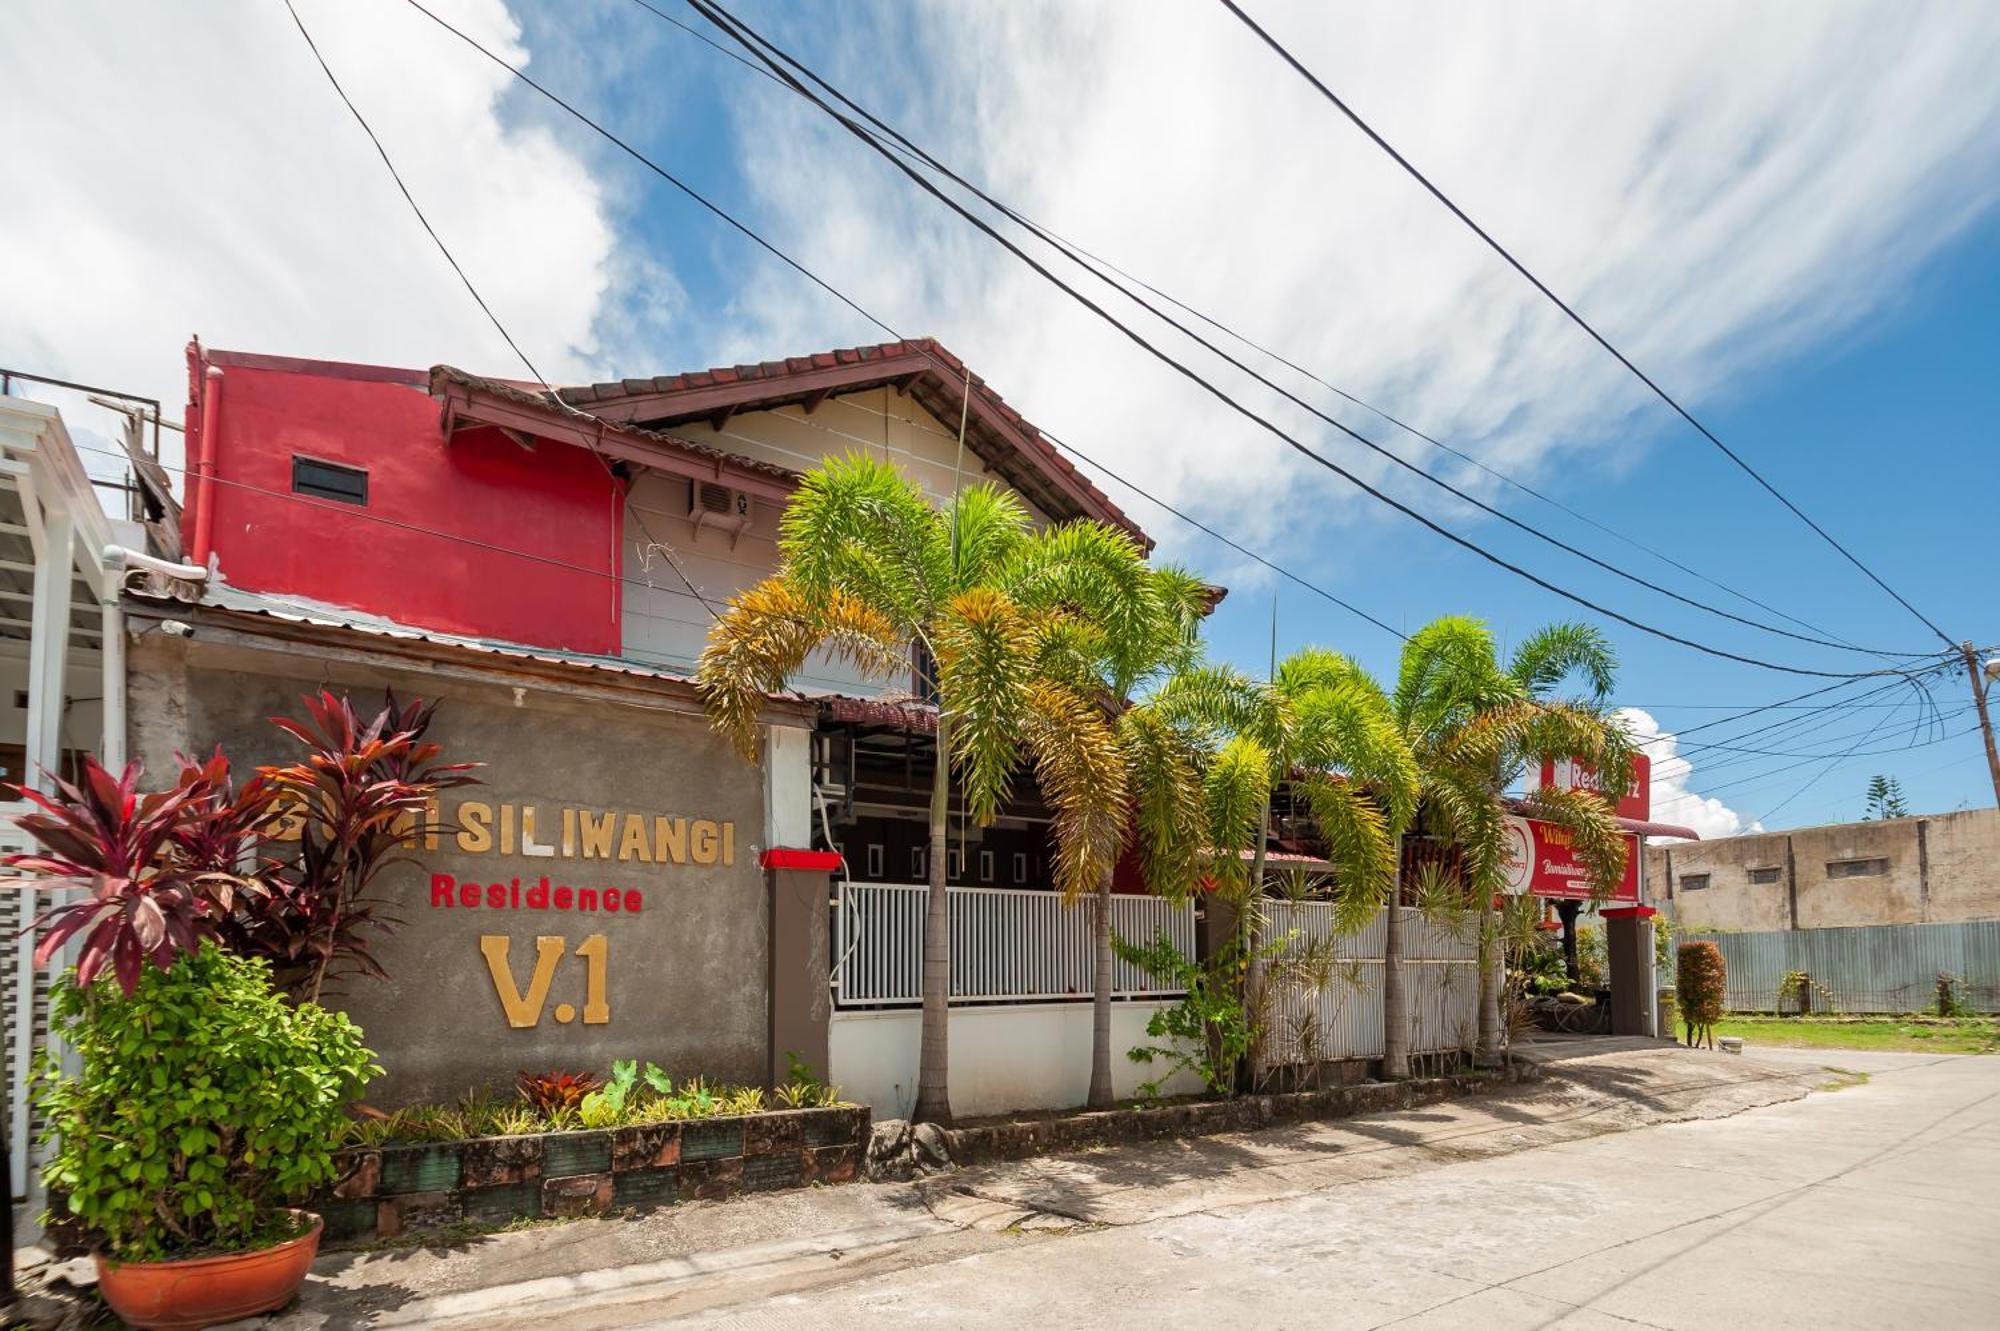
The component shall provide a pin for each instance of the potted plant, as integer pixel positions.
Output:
(205, 1105)
(207, 1102)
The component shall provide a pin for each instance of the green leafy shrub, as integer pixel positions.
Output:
(1699, 984)
(205, 1102)
(1207, 1032)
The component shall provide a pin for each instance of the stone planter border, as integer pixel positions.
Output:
(985, 1143)
(387, 1191)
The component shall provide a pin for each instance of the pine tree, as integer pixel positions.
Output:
(1885, 799)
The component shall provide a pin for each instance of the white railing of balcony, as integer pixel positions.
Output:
(1007, 944)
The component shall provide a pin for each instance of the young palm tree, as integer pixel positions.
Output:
(1474, 725)
(1126, 625)
(868, 567)
(1326, 727)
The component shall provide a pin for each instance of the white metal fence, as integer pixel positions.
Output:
(1334, 1009)
(26, 1024)
(1007, 944)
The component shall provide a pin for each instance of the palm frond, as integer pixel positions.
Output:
(1559, 651)
(989, 525)
(1082, 775)
(1221, 700)
(1170, 814)
(1359, 843)
(764, 636)
(1235, 786)
(857, 524)
(985, 651)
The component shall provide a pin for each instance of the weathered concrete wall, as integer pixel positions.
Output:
(1939, 869)
(682, 975)
(1003, 1058)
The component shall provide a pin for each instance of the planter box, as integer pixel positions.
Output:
(383, 1192)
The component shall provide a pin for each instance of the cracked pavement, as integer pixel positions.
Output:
(1637, 1184)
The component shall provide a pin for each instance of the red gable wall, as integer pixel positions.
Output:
(553, 512)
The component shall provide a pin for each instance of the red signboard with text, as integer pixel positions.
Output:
(1569, 774)
(1541, 862)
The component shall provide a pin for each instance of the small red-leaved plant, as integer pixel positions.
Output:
(557, 1092)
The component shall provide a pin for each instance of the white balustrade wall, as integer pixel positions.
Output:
(1342, 1018)
(1022, 964)
(1007, 944)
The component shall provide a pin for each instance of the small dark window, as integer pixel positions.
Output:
(985, 866)
(923, 675)
(327, 480)
(875, 859)
(1020, 866)
(1857, 868)
(917, 868)
(1693, 882)
(1765, 875)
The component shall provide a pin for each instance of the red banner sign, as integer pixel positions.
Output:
(1569, 774)
(1542, 862)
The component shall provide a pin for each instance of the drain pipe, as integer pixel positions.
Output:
(204, 467)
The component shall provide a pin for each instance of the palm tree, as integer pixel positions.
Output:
(1326, 728)
(1126, 625)
(1473, 726)
(867, 568)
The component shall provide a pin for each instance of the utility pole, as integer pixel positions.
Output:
(1973, 672)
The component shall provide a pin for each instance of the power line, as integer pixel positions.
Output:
(653, 543)
(752, 40)
(841, 296)
(1567, 309)
(1222, 396)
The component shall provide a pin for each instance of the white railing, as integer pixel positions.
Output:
(1007, 944)
(27, 1023)
(1334, 1011)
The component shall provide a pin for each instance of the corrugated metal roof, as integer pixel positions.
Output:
(319, 615)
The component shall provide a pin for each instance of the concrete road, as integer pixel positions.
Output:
(1636, 1184)
(1873, 1206)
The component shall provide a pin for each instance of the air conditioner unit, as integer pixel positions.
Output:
(713, 504)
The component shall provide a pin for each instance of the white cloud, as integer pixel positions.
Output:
(175, 170)
(1673, 800)
(1714, 185)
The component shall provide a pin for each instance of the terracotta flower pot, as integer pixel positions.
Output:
(207, 1291)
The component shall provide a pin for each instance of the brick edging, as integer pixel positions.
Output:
(988, 1143)
(383, 1192)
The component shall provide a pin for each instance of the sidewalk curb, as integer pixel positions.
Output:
(630, 1283)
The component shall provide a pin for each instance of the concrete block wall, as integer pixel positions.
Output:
(1940, 869)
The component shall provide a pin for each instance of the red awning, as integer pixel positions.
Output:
(1633, 825)
(1658, 829)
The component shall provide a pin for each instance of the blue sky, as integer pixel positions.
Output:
(1787, 216)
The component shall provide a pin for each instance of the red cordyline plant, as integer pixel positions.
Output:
(160, 870)
(361, 796)
(166, 871)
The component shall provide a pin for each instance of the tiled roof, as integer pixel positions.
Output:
(513, 392)
(773, 382)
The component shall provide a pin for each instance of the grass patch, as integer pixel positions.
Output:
(1914, 1034)
(1843, 1078)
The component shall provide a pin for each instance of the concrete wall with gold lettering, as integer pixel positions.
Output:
(600, 899)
